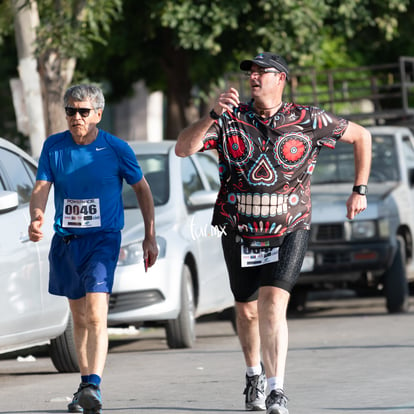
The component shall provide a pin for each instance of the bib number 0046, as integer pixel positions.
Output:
(81, 213)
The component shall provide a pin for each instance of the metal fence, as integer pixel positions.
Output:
(378, 93)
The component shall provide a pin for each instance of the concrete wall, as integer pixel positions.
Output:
(140, 117)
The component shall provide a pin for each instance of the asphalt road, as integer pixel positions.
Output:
(346, 356)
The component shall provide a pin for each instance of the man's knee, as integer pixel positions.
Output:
(273, 293)
(246, 311)
(273, 300)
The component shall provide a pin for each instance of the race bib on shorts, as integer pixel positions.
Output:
(256, 256)
(81, 213)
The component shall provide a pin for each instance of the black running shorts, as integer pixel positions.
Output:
(245, 281)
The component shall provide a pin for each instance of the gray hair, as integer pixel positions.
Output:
(85, 92)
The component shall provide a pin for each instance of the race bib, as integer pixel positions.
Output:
(256, 256)
(81, 213)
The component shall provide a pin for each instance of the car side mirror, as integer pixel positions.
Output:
(9, 200)
(202, 199)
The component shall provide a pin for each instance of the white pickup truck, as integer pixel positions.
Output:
(374, 250)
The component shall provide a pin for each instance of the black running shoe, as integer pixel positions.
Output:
(90, 399)
(276, 402)
(255, 392)
(73, 406)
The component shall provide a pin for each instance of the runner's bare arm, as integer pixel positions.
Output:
(360, 137)
(38, 202)
(146, 204)
(190, 140)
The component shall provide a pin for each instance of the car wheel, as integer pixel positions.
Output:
(181, 331)
(395, 281)
(62, 350)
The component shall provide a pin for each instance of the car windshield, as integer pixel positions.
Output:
(155, 169)
(337, 165)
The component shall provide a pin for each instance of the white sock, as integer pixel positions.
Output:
(275, 383)
(257, 370)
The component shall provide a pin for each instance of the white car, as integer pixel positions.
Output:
(189, 278)
(29, 315)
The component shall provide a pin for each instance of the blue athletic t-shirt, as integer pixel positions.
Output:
(88, 181)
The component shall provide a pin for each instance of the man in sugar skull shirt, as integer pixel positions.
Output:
(267, 152)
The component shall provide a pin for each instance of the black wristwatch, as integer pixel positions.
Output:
(214, 115)
(360, 189)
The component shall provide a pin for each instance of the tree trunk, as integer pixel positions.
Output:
(56, 74)
(180, 107)
(25, 21)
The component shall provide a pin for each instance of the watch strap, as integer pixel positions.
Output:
(360, 189)
(214, 115)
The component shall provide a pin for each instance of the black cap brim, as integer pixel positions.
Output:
(247, 64)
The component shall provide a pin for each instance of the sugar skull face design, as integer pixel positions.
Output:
(265, 167)
(238, 147)
(292, 149)
(269, 177)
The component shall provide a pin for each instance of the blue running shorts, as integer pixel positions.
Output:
(83, 264)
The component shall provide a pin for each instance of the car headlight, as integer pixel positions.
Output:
(364, 229)
(132, 253)
(384, 228)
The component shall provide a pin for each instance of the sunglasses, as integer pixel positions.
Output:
(260, 72)
(84, 112)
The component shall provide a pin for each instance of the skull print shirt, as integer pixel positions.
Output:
(265, 168)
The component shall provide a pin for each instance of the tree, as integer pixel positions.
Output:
(369, 44)
(181, 47)
(66, 31)
(25, 23)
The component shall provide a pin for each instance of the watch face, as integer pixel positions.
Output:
(360, 189)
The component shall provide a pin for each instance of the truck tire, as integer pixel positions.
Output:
(181, 331)
(62, 350)
(396, 289)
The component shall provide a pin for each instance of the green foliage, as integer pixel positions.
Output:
(358, 14)
(211, 36)
(184, 46)
(72, 27)
(288, 26)
(371, 43)
(6, 20)
(295, 28)
(199, 24)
